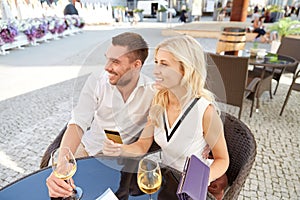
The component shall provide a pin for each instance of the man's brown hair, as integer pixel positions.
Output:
(135, 43)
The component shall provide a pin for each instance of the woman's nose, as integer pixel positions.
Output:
(156, 69)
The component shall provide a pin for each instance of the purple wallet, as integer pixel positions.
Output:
(194, 180)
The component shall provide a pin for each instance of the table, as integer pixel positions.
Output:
(266, 71)
(94, 175)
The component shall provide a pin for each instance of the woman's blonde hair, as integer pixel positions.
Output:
(190, 54)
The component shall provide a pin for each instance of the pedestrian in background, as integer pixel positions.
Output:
(259, 28)
(183, 14)
(70, 9)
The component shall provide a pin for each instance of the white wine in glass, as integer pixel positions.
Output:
(149, 176)
(64, 167)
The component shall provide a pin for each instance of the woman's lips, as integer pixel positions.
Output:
(159, 79)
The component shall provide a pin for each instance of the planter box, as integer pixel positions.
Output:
(276, 16)
(162, 16)
(141, 16)
(20, 41)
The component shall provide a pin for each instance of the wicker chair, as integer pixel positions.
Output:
(241, 146)
(54, 145)
(234, 75)
(289, 47)
(294, 86)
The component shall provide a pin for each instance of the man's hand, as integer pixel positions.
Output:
(58, 187)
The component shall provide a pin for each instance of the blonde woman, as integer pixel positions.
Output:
(183, 117)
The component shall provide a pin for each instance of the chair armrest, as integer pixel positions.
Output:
(251, 87)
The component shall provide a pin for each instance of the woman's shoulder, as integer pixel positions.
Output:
(205, 107)
(210, 110)
(204, 101)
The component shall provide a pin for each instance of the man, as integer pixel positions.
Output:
(118, 100)
(70, 9)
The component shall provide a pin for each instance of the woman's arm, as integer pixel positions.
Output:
(214, 136)
(138, 148)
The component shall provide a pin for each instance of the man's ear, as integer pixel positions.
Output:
(138, 64)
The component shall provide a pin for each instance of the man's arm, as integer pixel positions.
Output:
(72, 137)
(58, 187)
(82, 115)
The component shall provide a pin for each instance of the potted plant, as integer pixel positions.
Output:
(140, 13)
(276, 12)
(285, 26)
(8, 32)
(162, 14)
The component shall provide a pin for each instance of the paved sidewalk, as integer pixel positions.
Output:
(31, 118)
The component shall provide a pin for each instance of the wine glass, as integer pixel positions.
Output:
(64, 167)
(149, 176)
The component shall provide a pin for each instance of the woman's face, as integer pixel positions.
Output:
(168, 72)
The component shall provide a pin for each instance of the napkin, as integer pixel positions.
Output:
(108, 195)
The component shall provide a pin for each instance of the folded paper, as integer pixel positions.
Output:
(107, 195)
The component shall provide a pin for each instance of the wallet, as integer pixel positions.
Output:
(194, 180)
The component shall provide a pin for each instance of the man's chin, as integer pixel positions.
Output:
(113, 82)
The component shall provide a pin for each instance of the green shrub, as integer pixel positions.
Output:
(286, 26)
(138, 10)
(162, 9)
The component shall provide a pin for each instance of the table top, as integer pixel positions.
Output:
(94, 175)
(273, 60)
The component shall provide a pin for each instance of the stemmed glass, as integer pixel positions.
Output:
(149, 176)
(64, 167)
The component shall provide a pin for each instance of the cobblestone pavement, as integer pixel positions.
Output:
(29, 122)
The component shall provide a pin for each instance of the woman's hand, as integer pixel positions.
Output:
(110, 148)
(206, 151)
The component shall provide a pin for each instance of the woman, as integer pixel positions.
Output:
(259, 28)
(180, 74)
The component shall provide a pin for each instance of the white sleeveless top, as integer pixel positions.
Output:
(188, 139)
